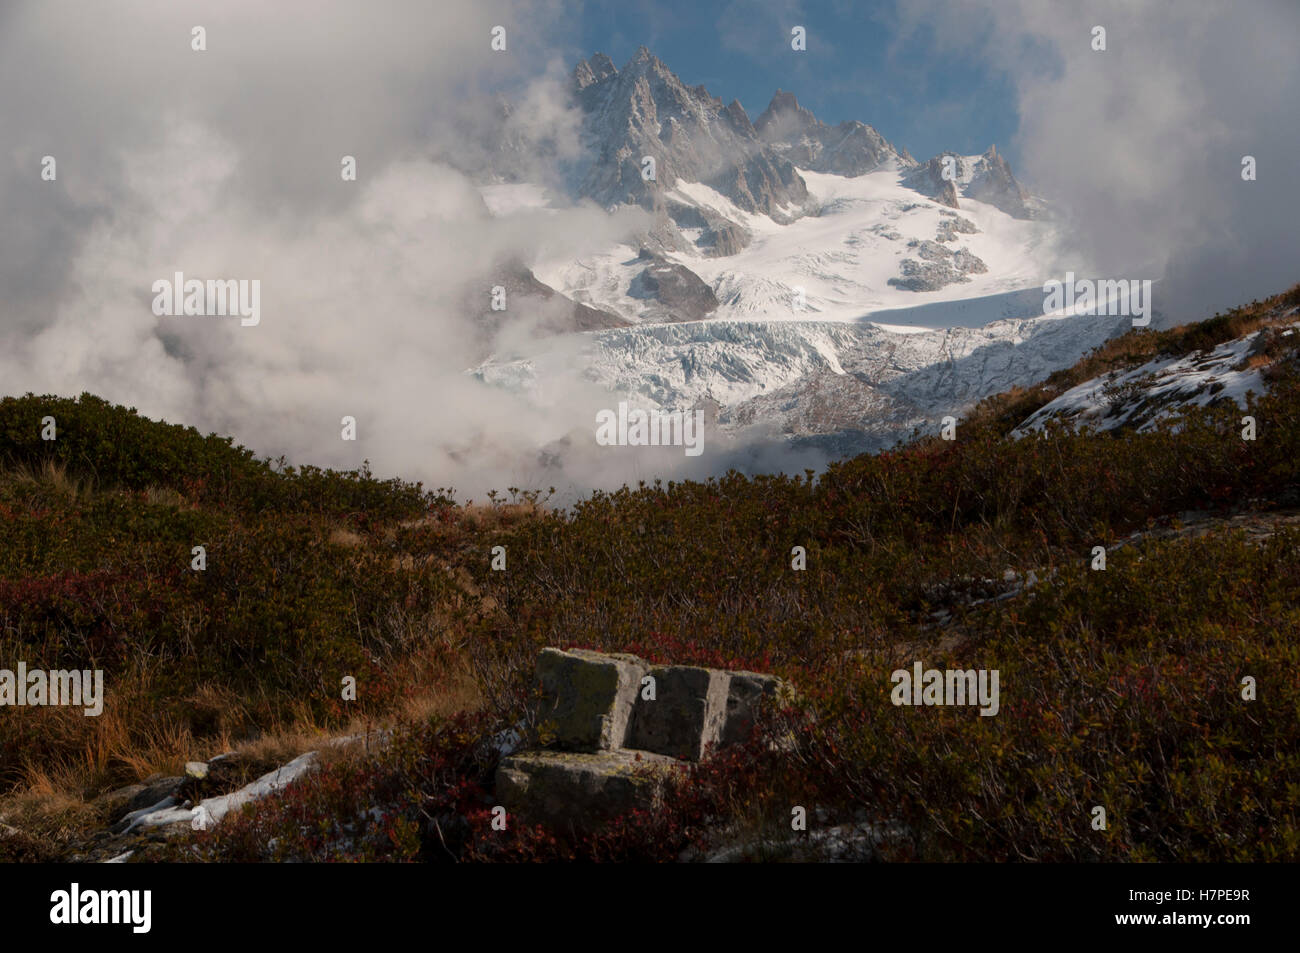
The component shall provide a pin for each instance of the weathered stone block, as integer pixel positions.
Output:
(580, 790)
(587, 697)
(686, 715)
(746, 691)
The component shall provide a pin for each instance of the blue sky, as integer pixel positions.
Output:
(858, 65)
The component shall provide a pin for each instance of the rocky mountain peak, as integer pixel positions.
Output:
(928, 179)
(784, 118)
(986, 178)
(594, 70)
(782, 102)
(991, 181)
(645, 112)
(643, 59)
(645, 132)
(739, 119)
(851, 148)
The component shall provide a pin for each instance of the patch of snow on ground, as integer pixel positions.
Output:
(1158, 389)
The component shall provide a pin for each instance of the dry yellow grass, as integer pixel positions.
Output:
(53, 808)
(55, 476)
(51, 799)
(477, 517)
(342, 536)
(457, 692)
(39, 823)
(164, 496)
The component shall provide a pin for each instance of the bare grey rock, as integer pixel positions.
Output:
(723, 237)
(580, 790)
(746, 693)
(719, 235)
(686, 715)
(992, 182)
(926, 276)
(645, 110)
(589, 72)
(682, 294)
(953, 225)
(929, 181)
(967, 263)
(626, 743)
(930, 251)
(943, 266)
(851, 148)
(986, 178)
(587, 697)
(528, 299)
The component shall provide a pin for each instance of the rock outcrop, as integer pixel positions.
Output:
(588, 697)
(986, 177)
(681, 295)
(928, 179)
(645, 110)
(545, 310)
(851, 148)
(686, 716)
(991, 181)
(616, 727)
(578, 789)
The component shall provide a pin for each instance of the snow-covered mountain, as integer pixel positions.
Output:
(850, 148)
(811, 281)
(645, 112)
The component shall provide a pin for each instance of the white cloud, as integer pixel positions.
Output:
(1142, 143)
(225, 164)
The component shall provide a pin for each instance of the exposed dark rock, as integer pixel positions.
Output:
(851, 148)
(722, 237)
(926, 276)
(682, 294)
(718, 235)
(645, 110)
(686, 714)
(546, 310)
(967, 263)
(155, 788)
(929, 181)
(992, 182)
(630, 723)
(579, 791)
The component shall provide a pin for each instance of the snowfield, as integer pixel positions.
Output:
(862, 363)
(842, 254)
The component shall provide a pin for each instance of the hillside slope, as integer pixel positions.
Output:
(1123, 681)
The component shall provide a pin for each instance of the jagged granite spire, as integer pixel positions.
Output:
(851, 148)
(644, 110)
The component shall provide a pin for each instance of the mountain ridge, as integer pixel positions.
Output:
(646, 110)
(783, 223)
